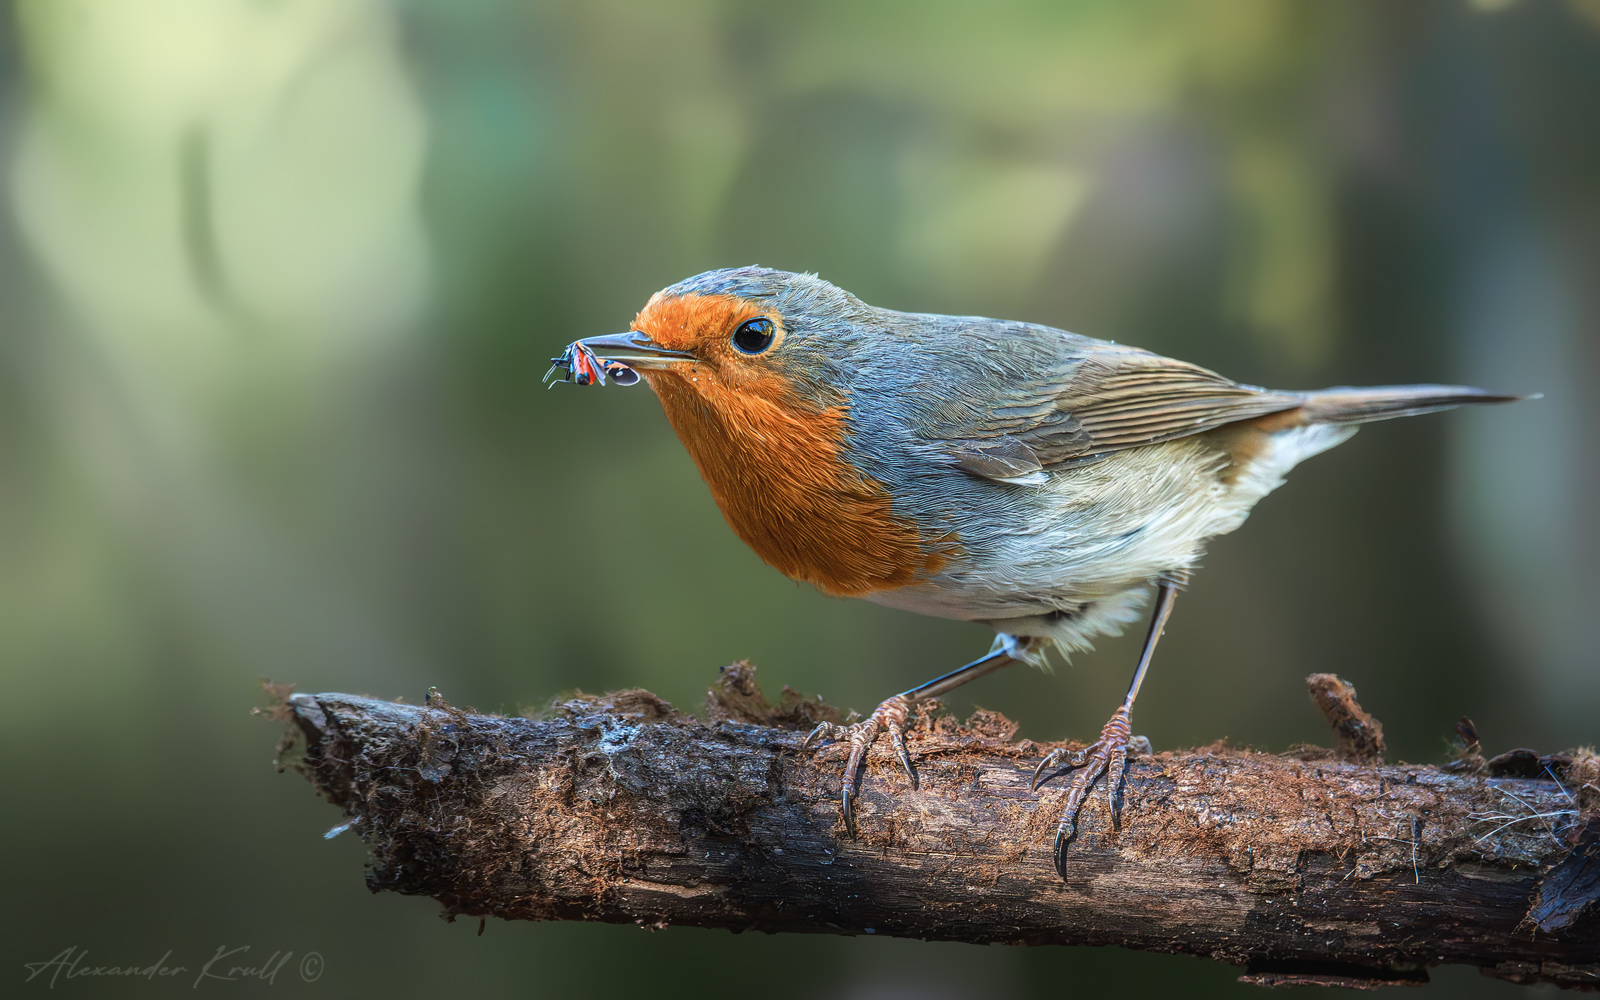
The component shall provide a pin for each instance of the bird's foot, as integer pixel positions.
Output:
(890, 716)
(1108, 755)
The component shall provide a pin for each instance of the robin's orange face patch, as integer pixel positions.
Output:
(704, 325)
(687, 322)
(774, 458)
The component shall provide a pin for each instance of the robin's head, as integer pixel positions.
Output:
(753, 367)
(733, 336)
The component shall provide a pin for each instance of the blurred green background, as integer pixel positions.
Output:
(278, 279)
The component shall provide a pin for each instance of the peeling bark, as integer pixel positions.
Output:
(1314, 866)
(1360, 735)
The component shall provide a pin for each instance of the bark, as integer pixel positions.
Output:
(1313, 866)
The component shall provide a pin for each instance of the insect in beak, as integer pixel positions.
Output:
(622, 353)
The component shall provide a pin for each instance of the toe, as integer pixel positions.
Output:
(1119, 759)
(1094, 765)
(823, 731)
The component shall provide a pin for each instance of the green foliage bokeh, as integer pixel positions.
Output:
(278, 282)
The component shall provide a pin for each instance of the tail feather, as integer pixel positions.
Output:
(1360, 405)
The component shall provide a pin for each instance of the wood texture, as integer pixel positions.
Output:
(1306, 867)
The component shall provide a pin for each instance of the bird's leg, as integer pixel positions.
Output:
(893, 713)
(1110, 752)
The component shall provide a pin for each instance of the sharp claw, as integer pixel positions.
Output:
(1049, 761)
(1052, 762)
(1063, 836)
(847, 807)
(899, 739)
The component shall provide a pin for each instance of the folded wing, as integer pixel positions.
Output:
(1108, 401)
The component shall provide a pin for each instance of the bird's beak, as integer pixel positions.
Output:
(634, 349)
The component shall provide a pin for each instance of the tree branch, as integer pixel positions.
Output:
(1313, 866)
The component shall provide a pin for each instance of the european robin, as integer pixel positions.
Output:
(1031, 479)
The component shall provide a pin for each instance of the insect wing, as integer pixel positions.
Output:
(621, 373)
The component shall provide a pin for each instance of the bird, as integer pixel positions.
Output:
(1036, 481)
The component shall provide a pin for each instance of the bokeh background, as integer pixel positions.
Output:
(278, 281)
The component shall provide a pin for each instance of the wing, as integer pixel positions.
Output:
(1106, 400)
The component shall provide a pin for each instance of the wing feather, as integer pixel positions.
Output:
(1115, 399)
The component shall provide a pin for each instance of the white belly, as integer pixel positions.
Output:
(1082, 548)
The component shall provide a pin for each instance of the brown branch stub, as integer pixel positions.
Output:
(738, 698)
(1360, 735)
(620, 808)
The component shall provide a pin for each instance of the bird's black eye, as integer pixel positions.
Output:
(754, 335)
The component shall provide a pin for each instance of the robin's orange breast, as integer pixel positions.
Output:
(775, 467)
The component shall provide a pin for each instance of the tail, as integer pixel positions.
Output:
(1352, 405)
